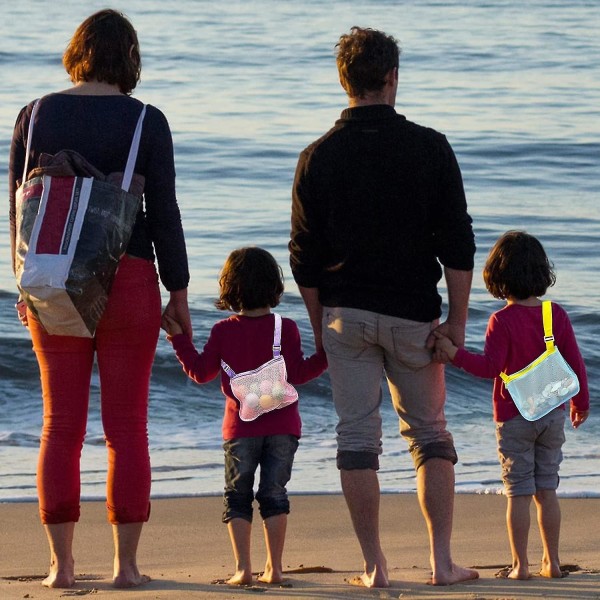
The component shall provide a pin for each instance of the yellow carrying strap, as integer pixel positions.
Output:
(547, 316)
(548, 338)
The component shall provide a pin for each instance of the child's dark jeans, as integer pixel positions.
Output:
(275, 455)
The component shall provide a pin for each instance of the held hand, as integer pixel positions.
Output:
(456, 335)
(178, 311)
(578, 417)
(22, 312)
(170, 325)
(444, 344)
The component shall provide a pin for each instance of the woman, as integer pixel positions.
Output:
(96, 117)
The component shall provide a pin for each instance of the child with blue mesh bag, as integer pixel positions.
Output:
(530, 451)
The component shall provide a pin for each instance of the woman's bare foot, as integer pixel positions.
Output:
(60, 577)
(240, 578)
(125, 570)
(129, 578)
(456, 574)
(61, 573)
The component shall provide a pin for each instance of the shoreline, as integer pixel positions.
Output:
(562, 495)
(185, 547)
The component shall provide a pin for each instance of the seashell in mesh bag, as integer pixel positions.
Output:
(266, 388)
(263, 390)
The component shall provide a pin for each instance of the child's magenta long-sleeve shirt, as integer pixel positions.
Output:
(515, 338)
(245, 343)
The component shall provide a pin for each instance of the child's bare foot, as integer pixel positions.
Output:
(60, 577)
(271, 576)
(455, 574)
(241, 578)
(553, 571)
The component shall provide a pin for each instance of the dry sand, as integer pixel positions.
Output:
(185, 547)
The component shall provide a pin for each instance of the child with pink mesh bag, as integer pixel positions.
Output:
(259, 356)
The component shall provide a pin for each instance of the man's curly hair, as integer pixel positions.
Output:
(364, 58)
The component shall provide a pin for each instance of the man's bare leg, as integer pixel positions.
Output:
(240, 534)
(62, 566)
(274, 528)
(435, 489)
(361, 490)
(126, 574)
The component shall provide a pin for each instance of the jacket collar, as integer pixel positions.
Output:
(369, 113)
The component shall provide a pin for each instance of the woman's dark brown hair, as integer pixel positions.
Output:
(105, 48)
(250, 278)
(518, 267)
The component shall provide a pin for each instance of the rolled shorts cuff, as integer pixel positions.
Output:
(66, 515)
(348, 460)
(274, 510)
(229, 515)
(444, 450)
(125, 516)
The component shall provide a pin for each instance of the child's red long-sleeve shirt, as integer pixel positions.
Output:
(245, 343)
(514, 338)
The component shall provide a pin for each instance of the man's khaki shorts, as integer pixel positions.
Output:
(364, 346)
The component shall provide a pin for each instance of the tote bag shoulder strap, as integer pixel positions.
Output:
(133, 151)
(29, 136)
(131, 159)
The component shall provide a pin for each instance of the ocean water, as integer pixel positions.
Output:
(246, 86)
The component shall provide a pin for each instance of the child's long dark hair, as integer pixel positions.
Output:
(250, 278)
(518, 267)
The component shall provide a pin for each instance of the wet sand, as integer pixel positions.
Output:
(186, 551)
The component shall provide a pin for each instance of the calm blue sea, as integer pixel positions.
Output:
(514, 85)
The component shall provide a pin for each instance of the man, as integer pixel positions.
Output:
(378, 204)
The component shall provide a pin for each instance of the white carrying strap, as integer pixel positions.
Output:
(29, 136)
(276, 345)
(133, 152)
(131, 159)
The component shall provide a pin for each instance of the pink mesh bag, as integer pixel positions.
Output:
(265, 388)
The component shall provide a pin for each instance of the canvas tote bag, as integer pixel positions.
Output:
(545, 383)
(70, 234)
(266, 388)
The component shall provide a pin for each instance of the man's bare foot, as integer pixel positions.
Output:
(377, 579)
(60, 577)
(455, 575)
(510, 572)
(240, 578)
(130, 578)
(519, 574)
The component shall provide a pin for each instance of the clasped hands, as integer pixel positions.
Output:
(444, 341)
